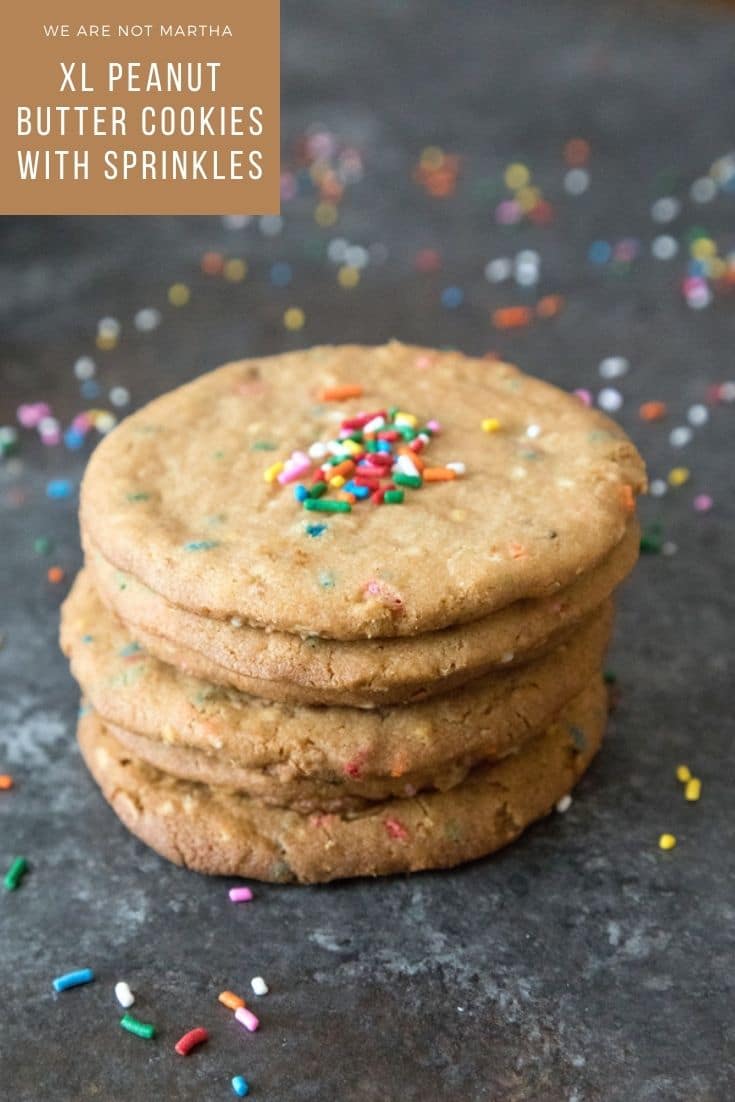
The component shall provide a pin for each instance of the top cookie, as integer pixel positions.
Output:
(185, 495)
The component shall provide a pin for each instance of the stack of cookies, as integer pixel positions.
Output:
(344, 611)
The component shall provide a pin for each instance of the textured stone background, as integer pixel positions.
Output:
(582, 964)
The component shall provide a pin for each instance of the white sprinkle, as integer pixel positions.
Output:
(664, 247)
(658, 487)
(405, 465)
(612, 367)
(124, 995)
(699, 296)
(356, 256)
(270, 225)
(610, 399)
(259, 986)
(526, 274)
(533, 431)
(703, 190)
(109, 327)
(665, 209)
(8, 434)
(528, 256)
(105, 422)
(119, 396)
(726, 392)
(236, 221)
(496, 271)
(669, 548)
(84, 368)
(564, 804)
(317, 450)
(680, 436)
(576, 181)
(507, 657)
(235, 622)
(147, 319)
(337, 249)
(374, 425)
(697, 415)
(458, 468)
(47, 425)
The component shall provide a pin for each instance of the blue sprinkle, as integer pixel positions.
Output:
(90, 389)
(316, 529)
(359, 491)
(240, 1086)
(300, 492)
(201, 545)
(599, 252)
(326, 579)
(128, 649)
(58, 489)
(74, 439)
(384, 446)
(281, 274)
(452, 297)
(73, 979)
(697, 268)
(88, 638)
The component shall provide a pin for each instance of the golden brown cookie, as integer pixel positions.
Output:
(361, 673)
(305, 755)
(185, 493)
(214, 830)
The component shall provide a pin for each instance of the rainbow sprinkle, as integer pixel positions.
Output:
(375, 456)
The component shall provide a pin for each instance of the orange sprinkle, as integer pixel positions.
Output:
(230, 1000)
(652, 411)
(517, 550)
(345, 468)
(549, 306)
(627, 498)
(345, 496)
(577, 151)
(511, 317)
(6, 781)
(55, 574)
(339, 393)
(438, 474)
(212, 263)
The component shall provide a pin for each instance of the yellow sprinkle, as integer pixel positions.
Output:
(490, 424)
(693, 790)
(348, 276)
(178, 294)
(516, 176)
(235, 270)
(683, 773)
(106, 341)
(350, 446)
(432, 157)
(271, 473)
(667, 841)
(703, 248)
(528, 198)
(678, 476)
(406, 419)
(325, 214)
(716, 268)
(337, 482)
(294, 318)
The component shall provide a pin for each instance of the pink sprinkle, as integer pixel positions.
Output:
(247, 1018)
(296, 466)
(82, 422)
(422, 362)
(30, 415)
(703, 503)
(51, 438)
(240, 895)
(396, 829)
(434, 426)
(584, 396)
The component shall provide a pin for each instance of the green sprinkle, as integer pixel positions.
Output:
(318, 489)
(262, 446)
(129, 649)
(315, 530)
(652, 539)
(393, 497)
(372, 446)
(140, 1029)
(88, 638)
(327, 506)
(15, 873)
(42, 545)
(412, 480)
(406, 432)
(201, 545)
(138, 497)
(610, 677)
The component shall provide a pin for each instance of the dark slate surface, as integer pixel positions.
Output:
(583, 964)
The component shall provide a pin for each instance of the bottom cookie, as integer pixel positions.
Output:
(214, 830)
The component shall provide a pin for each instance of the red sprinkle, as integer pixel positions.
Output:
(396, 829)
(190, 1040)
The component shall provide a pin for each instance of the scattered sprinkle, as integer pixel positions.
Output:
(140, 1029)
(231, 1000)
(124, 995)
(59, 489)
(247, 1018)
(179, 294)
(693, 790)
(240, 895)
(564, 804)
(6, 782)
(73, 979)
(190, 1040)
(55, 574)
(259, 986)
(15, 874)
(683, 773)
(667, 841)
(294, 318)
(240, 1086)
